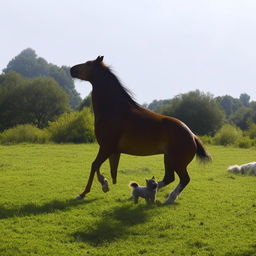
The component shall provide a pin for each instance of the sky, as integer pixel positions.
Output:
(158, 49)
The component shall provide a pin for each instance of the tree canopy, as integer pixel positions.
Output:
(30, 100)
(86, 102)
(29, 65)
(198, 110)
(155, 104)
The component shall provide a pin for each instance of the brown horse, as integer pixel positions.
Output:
(122, 126)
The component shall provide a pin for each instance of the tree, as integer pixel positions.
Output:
(87, 102)
(198, 110)
(155, 104)
(29, 65)
(242, 117)
(35, 101)
(253, 114)
(229, 104)
(245, 99)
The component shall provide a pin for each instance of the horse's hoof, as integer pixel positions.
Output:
(169, 202)
(79, 198)
(105, 188)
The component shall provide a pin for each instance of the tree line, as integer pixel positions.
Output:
(205, 114)
(29, 65)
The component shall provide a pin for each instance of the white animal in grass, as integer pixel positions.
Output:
(249, 168)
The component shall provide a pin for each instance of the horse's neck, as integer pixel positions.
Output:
(99, 102)
(106, 99)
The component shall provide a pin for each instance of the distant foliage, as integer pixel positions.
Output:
(252, 131)
(30, 100)
(156, 104)
(244, 142)
(241, 117)
(245, 99)
(206, 139)
(229, 104)
(227, 135)
(24, 133)
(86, 103)
(74, 127)
(29, 65)
(196, 109)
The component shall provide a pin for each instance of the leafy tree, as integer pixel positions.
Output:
(198, 110)
(29, 65)
(242, 117)
(245, 99)
(155, 104)
(252, 118)
(87, 102)
(229, 104)
(34, 101)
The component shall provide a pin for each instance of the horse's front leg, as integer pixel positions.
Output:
(113, 162)
(103, 181)
(95, 167)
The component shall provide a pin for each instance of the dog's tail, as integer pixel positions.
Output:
(133, 184)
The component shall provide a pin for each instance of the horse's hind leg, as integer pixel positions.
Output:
(113, 162)
(184, 180)
(169, 172)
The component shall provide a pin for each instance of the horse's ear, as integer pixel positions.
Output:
(99, 59)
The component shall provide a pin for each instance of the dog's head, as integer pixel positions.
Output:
(151, 183)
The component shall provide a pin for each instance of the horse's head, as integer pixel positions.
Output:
(86, 71)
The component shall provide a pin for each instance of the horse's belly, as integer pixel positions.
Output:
(141, 147)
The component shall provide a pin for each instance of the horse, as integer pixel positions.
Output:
(122, 126)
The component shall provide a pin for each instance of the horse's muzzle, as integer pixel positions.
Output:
(73, 72)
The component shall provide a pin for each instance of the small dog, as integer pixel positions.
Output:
(148, 192)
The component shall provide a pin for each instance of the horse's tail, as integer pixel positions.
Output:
(201, 153)
(133, 184)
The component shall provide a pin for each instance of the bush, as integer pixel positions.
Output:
(252, 131)
(74, 127)
(244, 142)
(227, 135)
(206, 139)
(24, 133)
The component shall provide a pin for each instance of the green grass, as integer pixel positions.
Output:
(215, 215)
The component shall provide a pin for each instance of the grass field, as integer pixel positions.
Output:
(215, 215)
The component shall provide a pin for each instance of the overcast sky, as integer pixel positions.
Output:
(157, 48)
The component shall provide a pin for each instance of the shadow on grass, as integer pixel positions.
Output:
(33, 209)
(114, 224)
(250, 252)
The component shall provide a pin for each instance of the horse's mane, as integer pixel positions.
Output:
(114, 84)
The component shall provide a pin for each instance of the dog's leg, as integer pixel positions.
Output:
(135, 199)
